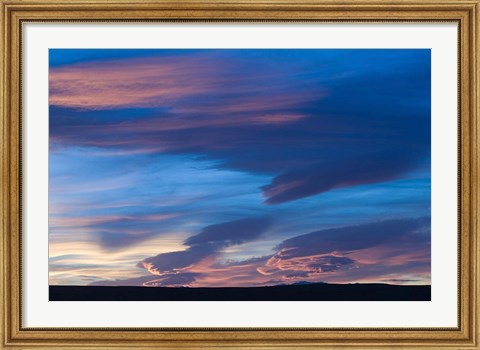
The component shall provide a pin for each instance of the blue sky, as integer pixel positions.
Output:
(239, 167)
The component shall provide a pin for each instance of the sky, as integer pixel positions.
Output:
(239, 167)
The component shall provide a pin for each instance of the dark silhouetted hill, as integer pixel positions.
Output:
(298, 292)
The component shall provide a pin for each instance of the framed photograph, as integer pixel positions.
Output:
(245, 175)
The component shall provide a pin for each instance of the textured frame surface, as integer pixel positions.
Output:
(15, 13)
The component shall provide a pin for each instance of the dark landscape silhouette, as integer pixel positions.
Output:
(296, 292)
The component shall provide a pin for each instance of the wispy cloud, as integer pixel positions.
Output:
(206, 244)
(368, 252)
(334, 129)
(391, 242)
(155, 154)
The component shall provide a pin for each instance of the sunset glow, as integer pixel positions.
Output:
(239, 167)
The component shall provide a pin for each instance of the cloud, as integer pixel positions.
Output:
(107, 220)
(210, 82)
(397, 280)
(393, 251)
(135, 281)
(245, 125)
(114, 231)
(167, 280)
(397, 244)
(206, 244)
(331, 250)
(230, 233)
(318, 264)
(351, 238)
(332, 174)
(295, 275)
(173, 280)
(249, 261)
(177, 261)
(313, 120)
(140, 82)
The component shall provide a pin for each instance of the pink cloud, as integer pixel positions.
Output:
(188, 86)
(144, 82)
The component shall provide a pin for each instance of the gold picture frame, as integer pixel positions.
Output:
(465, 13)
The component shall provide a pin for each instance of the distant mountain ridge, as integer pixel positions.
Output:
(301, 291)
